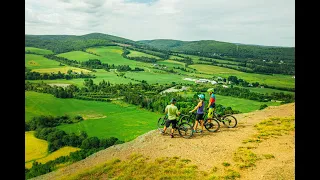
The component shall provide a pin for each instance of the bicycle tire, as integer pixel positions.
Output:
(186, 119)
(161, 123)
(212, 126)
(185, 130)
(230, 121)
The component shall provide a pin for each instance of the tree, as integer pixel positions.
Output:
(91, 142)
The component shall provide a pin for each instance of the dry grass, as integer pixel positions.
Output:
(34, 148)
(61, 69)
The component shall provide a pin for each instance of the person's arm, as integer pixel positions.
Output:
(199, 105)
(166, 110)
(177, 112)
(209, 104)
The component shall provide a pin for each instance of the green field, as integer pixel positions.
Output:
(112, 55)
(140, 54)
(240, 104)
(78, 55)
(174, 57)
(172, 63)
(161, 78)
(103, 119)
(266, 90)
(33, 61)
(62, 69)
(273, 80)
(101, 75)
(38, 50)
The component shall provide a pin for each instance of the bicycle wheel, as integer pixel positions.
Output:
(185, 119)
(161, 123)
(185, 130)
(212, 126)
(230, 121)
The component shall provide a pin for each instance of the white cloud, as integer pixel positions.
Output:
(262, 22)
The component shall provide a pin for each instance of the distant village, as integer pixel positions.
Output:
(219, 81)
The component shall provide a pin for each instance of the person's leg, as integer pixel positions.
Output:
(195, 125)
(201, 122)
(166, 126)
(174, 126)
(210, 114)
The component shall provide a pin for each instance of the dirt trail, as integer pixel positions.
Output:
(205, 150)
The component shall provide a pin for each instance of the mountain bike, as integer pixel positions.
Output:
(184, 128)
(212, 126)
(228, 119)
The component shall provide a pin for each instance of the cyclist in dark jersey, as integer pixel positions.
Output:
(200, 113)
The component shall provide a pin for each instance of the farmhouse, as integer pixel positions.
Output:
(189, 79)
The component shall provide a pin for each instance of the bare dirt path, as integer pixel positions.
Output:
(206, 150)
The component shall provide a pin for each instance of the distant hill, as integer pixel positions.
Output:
(65, 43)
(205, 48)
(212, 47)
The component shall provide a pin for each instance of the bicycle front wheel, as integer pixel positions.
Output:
(230, 121)
(185, 130)
(212, 126)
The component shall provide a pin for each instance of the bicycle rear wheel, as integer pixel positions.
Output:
(212, 126)
(161, 123)
(230, 121)
(185, 130)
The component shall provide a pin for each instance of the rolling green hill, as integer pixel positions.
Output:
(212, 47)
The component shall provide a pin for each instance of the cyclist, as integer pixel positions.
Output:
(212, 104)
(173, 112)
(200, 113)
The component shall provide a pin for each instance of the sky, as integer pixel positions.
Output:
(260, 22)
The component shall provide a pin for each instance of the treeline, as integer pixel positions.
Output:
(58, 92)
(162, 55)
(45, 128)
(254, 66)
(29, 75)
(65, 43)
(245, 93)
(50, 121)
(241, 82)
(96, 64)
(141, 59)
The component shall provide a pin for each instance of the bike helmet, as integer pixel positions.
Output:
(173, 100)
(210, 90)
(201, 96)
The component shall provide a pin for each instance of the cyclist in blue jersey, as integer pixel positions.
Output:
(200, 113)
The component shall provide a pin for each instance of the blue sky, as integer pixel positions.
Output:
(263, 22)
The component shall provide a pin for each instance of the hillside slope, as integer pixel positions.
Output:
(206, 150)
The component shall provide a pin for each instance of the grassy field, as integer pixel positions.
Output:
(33, 61)
(100, 76)
(161, 78)
(140, 54)
(273, 80)
(34, 148)
(112, 55)
(266, 90)
(62, 69)
(78, 55)
(172, 63)
(38, 50)
(64, 151)
(175, 57)
(240, 104)
(107, 119)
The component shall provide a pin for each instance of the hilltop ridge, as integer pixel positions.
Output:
(205, 150)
